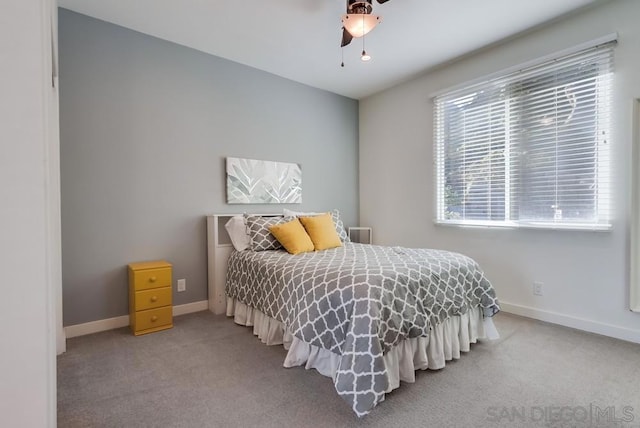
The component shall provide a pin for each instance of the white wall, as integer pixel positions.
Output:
(53, 190)
(635, 215)
(585, 274)
(27, 307)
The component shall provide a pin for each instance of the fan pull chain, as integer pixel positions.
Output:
(364, 56)
(363, 36)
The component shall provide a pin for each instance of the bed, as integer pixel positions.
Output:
(367, 316)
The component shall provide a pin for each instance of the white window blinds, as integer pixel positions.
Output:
(530, 148)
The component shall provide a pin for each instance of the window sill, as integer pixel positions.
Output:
(524, 225)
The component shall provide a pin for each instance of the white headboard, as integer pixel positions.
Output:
(219, 248)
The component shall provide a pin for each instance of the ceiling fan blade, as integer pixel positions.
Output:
(382, 1)
(346, 38)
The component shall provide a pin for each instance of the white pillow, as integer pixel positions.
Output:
(237, 231)
(289, 213)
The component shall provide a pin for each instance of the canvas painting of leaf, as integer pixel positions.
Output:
(251, 181)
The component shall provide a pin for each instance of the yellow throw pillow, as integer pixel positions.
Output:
(292, 236)
(322, 231)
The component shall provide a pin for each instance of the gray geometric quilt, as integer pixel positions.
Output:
(358, 301)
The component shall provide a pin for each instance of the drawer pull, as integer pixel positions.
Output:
(154, 298)
(154, 318)
(152, 279)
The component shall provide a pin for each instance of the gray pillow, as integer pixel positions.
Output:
(342, 233)
(258, 229)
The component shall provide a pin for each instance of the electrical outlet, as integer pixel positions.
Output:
(537, 288)
(182, 285)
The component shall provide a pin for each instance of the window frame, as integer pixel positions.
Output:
(607, 42)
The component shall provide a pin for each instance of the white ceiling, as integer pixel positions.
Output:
(299, 39)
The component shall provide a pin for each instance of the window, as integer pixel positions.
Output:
(529, 148)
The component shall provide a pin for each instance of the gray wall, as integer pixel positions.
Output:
(585, 274)
(145, 126)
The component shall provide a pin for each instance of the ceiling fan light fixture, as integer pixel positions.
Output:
(358, 24)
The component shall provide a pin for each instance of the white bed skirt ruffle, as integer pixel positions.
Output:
(446, 342)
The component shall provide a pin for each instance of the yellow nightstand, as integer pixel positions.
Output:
(150, 297)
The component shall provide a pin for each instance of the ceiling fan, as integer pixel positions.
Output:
(358, 20)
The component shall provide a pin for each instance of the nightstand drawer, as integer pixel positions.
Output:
(154, 298)
(153, 318)
(152, 278)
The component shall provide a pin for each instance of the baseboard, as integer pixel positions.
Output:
(617, 332)
(96, 326)
(189, 308)
(123, 321)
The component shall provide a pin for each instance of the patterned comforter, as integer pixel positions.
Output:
(359, 301)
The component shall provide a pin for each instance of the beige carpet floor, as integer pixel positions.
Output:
(209, 372)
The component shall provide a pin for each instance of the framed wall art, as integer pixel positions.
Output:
(251, 181)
